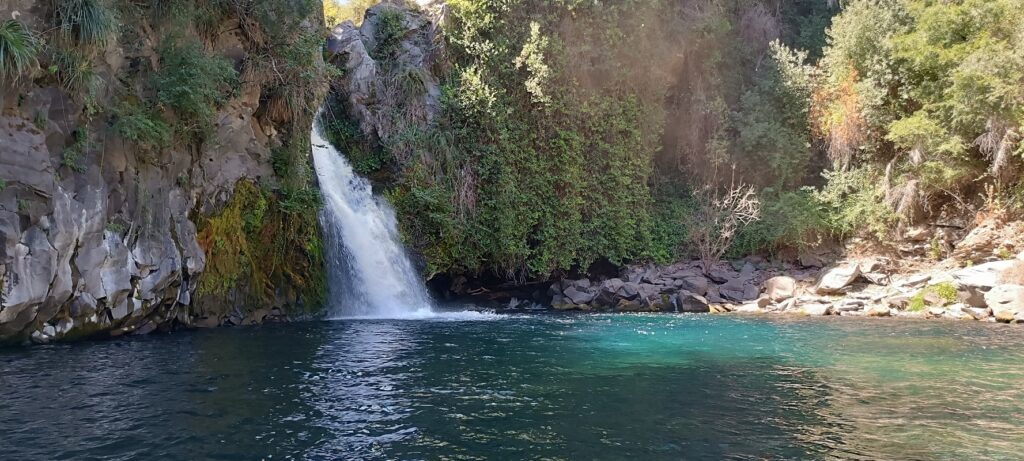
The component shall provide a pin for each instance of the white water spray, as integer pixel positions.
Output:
(369, 273)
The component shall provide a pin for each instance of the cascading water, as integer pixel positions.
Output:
(369, 273)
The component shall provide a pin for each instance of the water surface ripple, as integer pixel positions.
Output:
(531, 387)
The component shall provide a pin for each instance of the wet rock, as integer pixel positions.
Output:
(780, 288)
(835, 279)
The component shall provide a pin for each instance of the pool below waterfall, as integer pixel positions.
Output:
(526, 387)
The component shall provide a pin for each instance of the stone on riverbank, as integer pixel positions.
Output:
(836, 279)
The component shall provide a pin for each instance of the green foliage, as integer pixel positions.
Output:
(141, 125)
(389, 33)
(82, 145)
(945, 291)
(193, 83)
(75, 72)
(18, 49)
(345, 135)
(937, 85)
(256, 246)
(857, 203)
(789, 219)
(336, 11)
(85, 22)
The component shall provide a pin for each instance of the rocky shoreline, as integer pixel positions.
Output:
(870, 287)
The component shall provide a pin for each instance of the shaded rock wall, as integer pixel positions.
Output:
(108, 245)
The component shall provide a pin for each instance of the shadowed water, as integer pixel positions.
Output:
(532, 387)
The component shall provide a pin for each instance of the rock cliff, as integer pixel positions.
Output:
(102, 234)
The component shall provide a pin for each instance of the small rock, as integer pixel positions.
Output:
(878, 311)
(49, 330)
(749, 309)
(1004, 316)
(935, 312)
(763, 302)
(915, 281)
(816, 310)
(977, 313)
(899, 302)
(626, 305)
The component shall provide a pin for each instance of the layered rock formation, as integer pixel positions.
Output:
(106, 242)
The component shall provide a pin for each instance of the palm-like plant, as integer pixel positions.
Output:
(18, 48)
(89, 22)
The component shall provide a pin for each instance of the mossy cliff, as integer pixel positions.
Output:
(155, 170)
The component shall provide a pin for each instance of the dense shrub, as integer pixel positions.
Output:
(193, 83)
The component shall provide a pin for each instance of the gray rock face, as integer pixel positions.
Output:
(983, 276)
(110, 246)
(366, 79)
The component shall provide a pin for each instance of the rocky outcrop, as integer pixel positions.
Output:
(395, 43)
(99, 235)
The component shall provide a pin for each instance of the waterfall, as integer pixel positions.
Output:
(369, 273)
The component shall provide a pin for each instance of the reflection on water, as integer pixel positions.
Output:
(544, 387)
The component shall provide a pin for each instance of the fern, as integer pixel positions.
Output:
(18, 48)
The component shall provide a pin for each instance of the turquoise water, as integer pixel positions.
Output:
(642, 387)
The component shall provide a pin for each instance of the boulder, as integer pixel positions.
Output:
(1005, 300)
(780, 288)
(691, 302)
(722, 275)
(696, 284)
(629, 290)
(981, 277)
(578, 296)
(835, 279)
(875, 271)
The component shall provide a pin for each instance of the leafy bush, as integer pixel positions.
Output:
(193, 83)
(140, 125)
(18, 49)
(789, 219)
